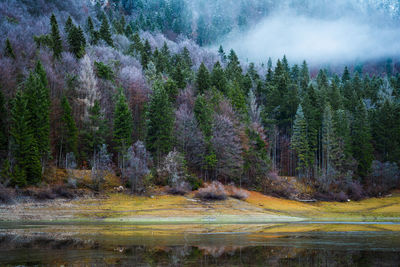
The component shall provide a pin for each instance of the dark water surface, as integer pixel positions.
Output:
(199, 245)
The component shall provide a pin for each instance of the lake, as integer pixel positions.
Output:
(284, 244)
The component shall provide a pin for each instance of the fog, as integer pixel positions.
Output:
(319, 35)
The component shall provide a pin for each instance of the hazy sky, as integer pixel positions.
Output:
(357, 34)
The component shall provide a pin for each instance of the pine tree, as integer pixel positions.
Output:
(218, 79)
(3, 123)
(69, 134)
(238, 99)
(186, 59)
(202, 79)
(160, 122)
(93, 34)
(76, 41)
(361, 140)
(104, 32)
(38, 106)
(203, 113)
(27, 167)
(221, 54)
(233, 69)
(123, 123)
(56, 42)
(178, 76)
(299, 143)
(137, 45)
(327, 139)
(95, 132)
(68, 25)
(145, 54)
(8, 50)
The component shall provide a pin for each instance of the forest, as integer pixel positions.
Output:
(145, 90)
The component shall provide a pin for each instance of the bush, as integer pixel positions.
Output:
(278, 186)
(213, 191)
(6, 195)
(44, 194)
(180, 189)
(63, 192)
(238, 193)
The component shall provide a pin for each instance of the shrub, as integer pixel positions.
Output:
(6, 195)
(278, 186)
(63, 192)
(44, 194)
(213, 191)
(238, 193)
(180, 189)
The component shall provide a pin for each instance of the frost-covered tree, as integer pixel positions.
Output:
(138, 163)
(88, 87)
(227, 147)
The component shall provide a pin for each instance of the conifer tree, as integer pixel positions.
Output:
(92, 33)
(27, 167)
(123, 123)
(56, 42)
(68, 25)
(233, 69)
(202, 79)
(104, 32)
(299, 143)
(3, 123)
(221, 54)
(76, 41)
(178, 76)
(160, 122)
(95, 132)
(145, 54)
(38, 106)
(69, 134)
(137, 45)
(218, 79)
(238, 99)
(361, 140)
(8, 50)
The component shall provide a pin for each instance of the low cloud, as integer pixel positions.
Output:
(316, 39)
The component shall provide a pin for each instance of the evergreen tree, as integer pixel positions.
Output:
(38, 106)
(178, 76)
(202, 79)
(361, 140)
(76, 41)
(68, 25)
(95, 132)
(299, 143)
(203, 113)
(238, 99)
(218, 79)
(69, 131)
(221, 54)
(92, 33)
(137, 45)
(186, 59)
(3, 123)
(123, 123)
(233, 69)
(160, 122)
(145, 54)
(27, 167)
(104, 32)
(56, 42)
(8, 50)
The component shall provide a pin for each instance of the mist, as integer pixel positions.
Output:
(317, 38)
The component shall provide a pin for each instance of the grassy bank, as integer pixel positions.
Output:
(168, 209)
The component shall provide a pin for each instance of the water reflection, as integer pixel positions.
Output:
(93, 245)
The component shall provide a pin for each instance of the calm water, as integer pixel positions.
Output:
(200, 245)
